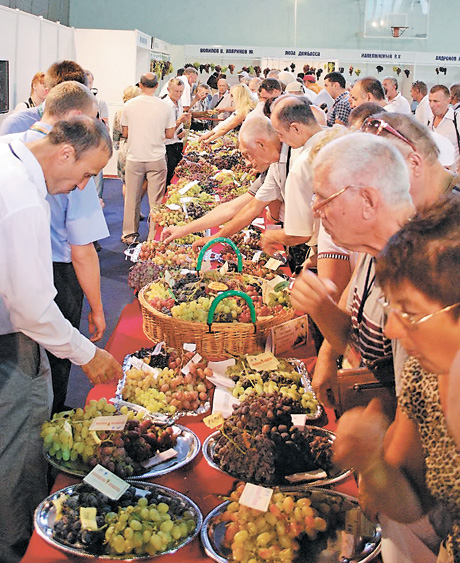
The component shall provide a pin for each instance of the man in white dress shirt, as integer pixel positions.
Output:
(396, 101)
(64, 160)
(444, 120)
(419, 93)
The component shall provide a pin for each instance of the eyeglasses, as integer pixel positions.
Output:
(376, 126)
(318, 203)
(407, 318)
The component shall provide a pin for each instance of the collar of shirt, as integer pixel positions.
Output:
(34, 170)
(342, 96)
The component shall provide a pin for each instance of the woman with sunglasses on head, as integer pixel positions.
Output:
(414, 465)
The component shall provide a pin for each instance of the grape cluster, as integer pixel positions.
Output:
(68, 439)
(171, 390)
(195, 170)
(142, 273)
(226, 161)
(140, 522)
(259, 443)
(284, 379)
(195, 210)
(290, 530)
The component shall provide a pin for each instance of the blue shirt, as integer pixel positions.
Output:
(20, 121)
(77, 217)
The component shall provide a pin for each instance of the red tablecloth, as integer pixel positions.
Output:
(204, 485)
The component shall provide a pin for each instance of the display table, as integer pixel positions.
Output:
(203, 484)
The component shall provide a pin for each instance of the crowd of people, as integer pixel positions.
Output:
(363, 194)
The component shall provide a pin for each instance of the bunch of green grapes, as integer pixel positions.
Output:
(226, 311)
(147, 528)
(67, 436)
(277, 535)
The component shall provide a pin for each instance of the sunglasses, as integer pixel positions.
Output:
(376, 126)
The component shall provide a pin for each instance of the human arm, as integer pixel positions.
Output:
(214, 218)
(124, 131)
(243, 218)
(223, 128)
(272, 238)
(390, 462)
(169, 132)
(86, 264)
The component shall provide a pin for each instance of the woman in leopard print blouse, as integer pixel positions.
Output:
(415, 466)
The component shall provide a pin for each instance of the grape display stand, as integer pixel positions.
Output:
(214, 341)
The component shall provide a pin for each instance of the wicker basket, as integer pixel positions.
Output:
(214, 341)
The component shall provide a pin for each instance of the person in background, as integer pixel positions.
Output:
(368, 89)
(146, 121)
(254, 85)
(416, 461)
(243, 78)
(58, 163)
(419, 94)
(38, 93)
(396, 102)
(444, 120)
(310, 82)
(222, 100)
(455, 96)
(188, 78)
(243, 105)
(103, 115)
(202, 104)
(20, 121)
(175, 145)
(119, 142)
(335, 84)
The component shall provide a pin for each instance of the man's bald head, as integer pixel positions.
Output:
(148, 81)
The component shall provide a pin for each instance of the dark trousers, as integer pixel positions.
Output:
(173, 157)
(69, 299)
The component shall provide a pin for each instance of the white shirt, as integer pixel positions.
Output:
(399, 105)
(146, 117)
(26, 276)
(299, 219)
(446, 128)
(177, 113)
(186, 94)
(423, 112)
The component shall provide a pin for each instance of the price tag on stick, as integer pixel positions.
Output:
(256, 497)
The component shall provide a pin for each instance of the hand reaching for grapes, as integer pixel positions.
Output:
(102, 368)
(201, 242)
(172, 232)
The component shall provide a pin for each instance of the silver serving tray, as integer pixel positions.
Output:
(44, 519)
(158, 418)
(187, 447)
(334, 475)
(212, 536)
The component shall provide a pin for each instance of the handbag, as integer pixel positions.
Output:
(356, 387)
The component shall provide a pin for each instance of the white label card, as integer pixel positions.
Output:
(256, 497)
(224, 269)
(223, 402)
(196, 358)
(186, 199)
(189, 347)
(263, 362)
(113, 423)
(257, 256)
(160, 345)
(186, 188)
(140, 364)
(173, 207)
(298, 420)
(88, 517)
(106, 482)
(159, 458)
(273, 264)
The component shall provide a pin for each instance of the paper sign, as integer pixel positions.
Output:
(263, 362)
(159, 458)
(159, 346)
(106, 482)
(196, 358)
(169, 279)
(113, 423)
(186, 188)
(307, 476)
(206, 266)
(257, 256)
(259, 222)
(289, 335)
(186, 199)
(273, 264)
(224, 269)
(223, 402)
(243, 176)
(189, 347)
(140, 364)
(68, 430)
(214, 420)
(256, 497)
(184, 272)
(277, 281)
(298, 420)
(88, 517)
(173, 206)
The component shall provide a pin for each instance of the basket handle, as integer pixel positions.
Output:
(214, 241)
(231, 293)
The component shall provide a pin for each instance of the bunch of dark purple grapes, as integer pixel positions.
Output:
(143, 273)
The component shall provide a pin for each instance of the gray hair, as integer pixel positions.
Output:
(259, 126)
(366, 160)
(392, 79)
(82, 133)
(69, 96)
